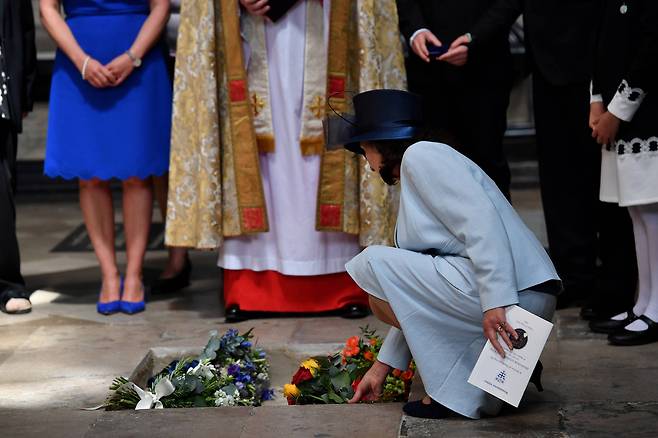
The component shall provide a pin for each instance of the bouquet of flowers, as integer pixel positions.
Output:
(334, 379)
(229, 372)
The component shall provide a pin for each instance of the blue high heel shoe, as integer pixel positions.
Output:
(112, 306)
(130, 307)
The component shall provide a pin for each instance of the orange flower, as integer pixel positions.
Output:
(407, 375)
(396, 373)
(373, 342)
(353, 342)
(369, 356)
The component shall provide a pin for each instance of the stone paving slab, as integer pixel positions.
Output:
(326, 421)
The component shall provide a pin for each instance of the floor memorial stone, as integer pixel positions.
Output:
(63, 356)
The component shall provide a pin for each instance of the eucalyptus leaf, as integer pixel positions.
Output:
(341, 380)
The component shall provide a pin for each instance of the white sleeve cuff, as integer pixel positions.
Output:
(395, 351)
(626, 101)
(594, 97)
(411, 40)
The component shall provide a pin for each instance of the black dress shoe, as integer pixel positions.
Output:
(354, 311)
(628, 337)
(421, 410)
(164, 286)
(234, 314)
(612, 325)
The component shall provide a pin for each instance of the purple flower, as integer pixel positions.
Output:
(239, 385)
(233, 369)
(245, 344)
(261, 354)
(268, 394)
(244, 378)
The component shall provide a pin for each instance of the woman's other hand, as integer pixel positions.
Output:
(371, 386)
(419, 44)
(494, 324)
(457, 55)
(98, 75)
(606, 128)
(121, 67)
(596, 109)
(256, 7)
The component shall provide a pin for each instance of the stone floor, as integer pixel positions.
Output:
(62, 357)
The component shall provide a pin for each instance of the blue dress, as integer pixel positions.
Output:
(115, 132)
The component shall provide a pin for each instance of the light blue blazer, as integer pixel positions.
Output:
(450, 206)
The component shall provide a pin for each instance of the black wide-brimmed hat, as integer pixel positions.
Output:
(378, 115)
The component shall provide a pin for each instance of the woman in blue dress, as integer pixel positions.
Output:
(110, 117)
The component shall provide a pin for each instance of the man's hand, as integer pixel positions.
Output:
(256, 7)
(457, 55)
(494, 324)
(98, 75)
(596, 110)
(419, 44)
(370, 387)
(606, 128)
(120, 67)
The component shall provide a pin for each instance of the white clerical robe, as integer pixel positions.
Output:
(290, 180)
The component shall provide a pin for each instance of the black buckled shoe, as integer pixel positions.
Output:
(612, 325)
(164, 286)
(354, 311)
(628, 337)
(234, 314)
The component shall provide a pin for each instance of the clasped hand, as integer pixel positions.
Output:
(110, 75)
(456, 55)
(604, 124)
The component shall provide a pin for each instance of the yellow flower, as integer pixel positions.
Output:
(290, 390)
(312, 365)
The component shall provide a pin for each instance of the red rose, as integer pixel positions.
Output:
(355, 384)
(407, 375)
(302, 375)
(291, 401)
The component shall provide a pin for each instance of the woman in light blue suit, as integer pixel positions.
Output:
(462, 255)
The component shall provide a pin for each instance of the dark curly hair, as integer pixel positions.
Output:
(392, 151)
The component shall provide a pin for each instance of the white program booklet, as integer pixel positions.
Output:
(508, 378)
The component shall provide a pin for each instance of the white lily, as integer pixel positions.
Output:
(202, 370)
(148, 400)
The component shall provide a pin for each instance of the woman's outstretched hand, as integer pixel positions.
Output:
(371, 386)
(495, 324)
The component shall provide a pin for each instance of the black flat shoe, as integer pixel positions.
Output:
(354, 311)
(164, 286)
(234, 314)
(10, 291)
(628, 337)
(433, 410)
(609, 326)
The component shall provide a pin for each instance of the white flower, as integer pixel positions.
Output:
(223, 372)
(223, 399)
(148, 400)
(262, 377)
(203, 370)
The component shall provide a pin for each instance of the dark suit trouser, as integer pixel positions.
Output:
(469, 111)
(10, 263)
(581, 229)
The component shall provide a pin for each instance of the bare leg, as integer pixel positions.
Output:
(98, 213)
(382, 310)
(137, 212)
(177, 255)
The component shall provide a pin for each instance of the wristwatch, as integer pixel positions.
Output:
(136, 61)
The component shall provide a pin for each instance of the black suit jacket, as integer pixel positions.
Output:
(17, 39)
(559, 34)
(448, 19)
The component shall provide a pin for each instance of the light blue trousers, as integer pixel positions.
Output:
(441, 323)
